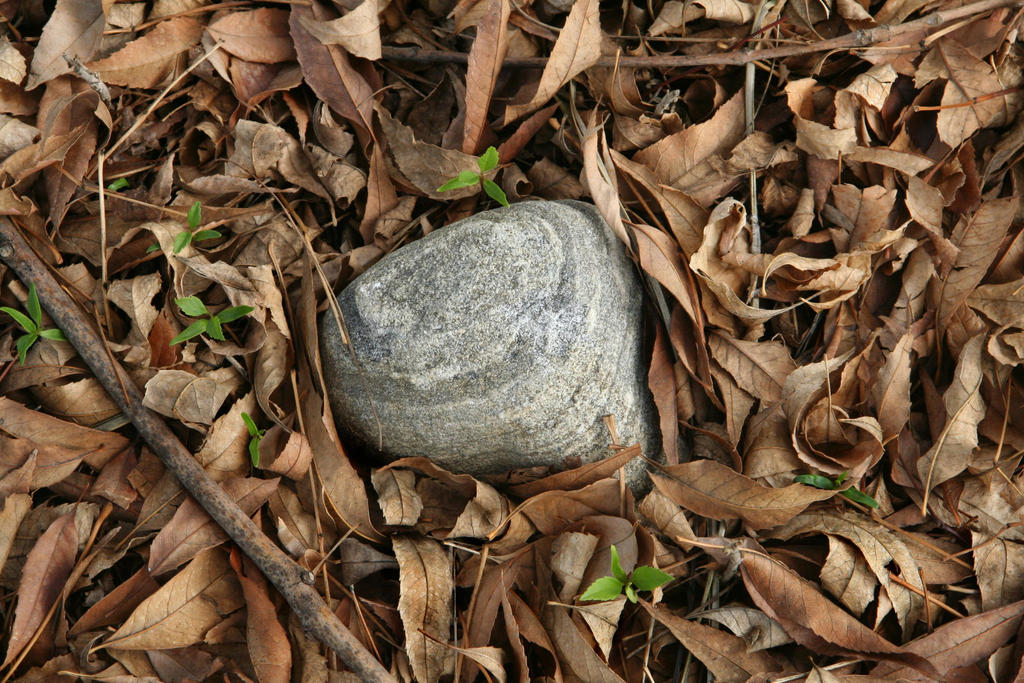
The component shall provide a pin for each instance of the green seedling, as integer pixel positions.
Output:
(212, 324)
(254, 443)
(31, 323)
(486, 161)
(640, 579)
(190, 234)
(119, 184)
(823, 482)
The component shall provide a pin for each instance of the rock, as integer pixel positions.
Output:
(495, 343)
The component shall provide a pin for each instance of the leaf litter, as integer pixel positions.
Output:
(827, 218)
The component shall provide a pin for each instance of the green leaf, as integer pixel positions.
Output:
(195, 215)
(605, 588)
(214, 329)
(118, 184)
(464, 179)
(631, 593)
(152, 248)
(648, 578)
(488, 159)
(860, 497)
(193, 330)
(22, 319)
(250, 425)
(495, 192)
(32, 305)
(52, 334)
(181, 240)
(205, 235)
(230, 314)
(839, 480)
(815, 480)
(192, 306)
(617, 567)
(24, 344)
(254, 451)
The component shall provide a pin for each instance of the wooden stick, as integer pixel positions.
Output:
(848, 41)
(288, 577)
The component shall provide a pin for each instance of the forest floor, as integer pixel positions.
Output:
(822, 197)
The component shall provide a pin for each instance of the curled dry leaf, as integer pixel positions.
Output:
(713, 490)
(184, 396)
(425, 576)
(75, 28)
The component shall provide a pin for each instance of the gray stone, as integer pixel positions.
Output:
(496, 343)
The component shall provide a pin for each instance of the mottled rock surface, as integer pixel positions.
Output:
(495, 343)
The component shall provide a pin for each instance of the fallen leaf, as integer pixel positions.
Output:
(358, 31)
(147, 61)
(269, 649)
(578, 47)
(713, 490)
(184, 609)
(75, 28)
(259, 35)
(46, 569)
(425, 575)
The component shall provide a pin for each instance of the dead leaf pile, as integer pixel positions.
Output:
(822, 198)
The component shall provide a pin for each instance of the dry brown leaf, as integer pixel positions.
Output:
(574, 650)
(879, 547)
(847, 576)
(397, 496)
(713, 490)
(999, 566)
(116, 605)
(426, 166)
(959, 643)
(46, 569)
(184, 396)
(808, 617)
(329, 72)
(978, 237)
(967, 78)
(191, 530)
(577, 48)
(891, 390)
(358, 31)
(760, 368)
(269, 649)
(15, 507)
(184, 609)
(259, 35)
(425, 576)
(94, 446)
(147, 61)
(603, 620)
(12, 63)
(291, 460)
(485, 61)
(965, 408)
(578, 477)
(75, 28)
(757, 629)
(726, 656)
(485, 513)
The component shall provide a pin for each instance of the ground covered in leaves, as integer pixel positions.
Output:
(822, 196)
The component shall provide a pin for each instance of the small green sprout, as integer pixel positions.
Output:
(254, 443)
(119, 184)
(193, 307)
(190, 234)
(487, 161)
(31, 323)
(823, 482)
(641, 579)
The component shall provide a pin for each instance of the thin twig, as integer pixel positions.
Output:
(288, 577)
(848, 41)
